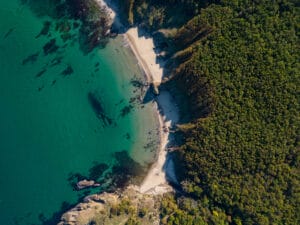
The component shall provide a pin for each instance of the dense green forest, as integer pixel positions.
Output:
(238, 65)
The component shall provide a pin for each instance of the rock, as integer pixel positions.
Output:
(86, 183)
(71, 218)
(94, 197)
(165, 129)
(99, 208)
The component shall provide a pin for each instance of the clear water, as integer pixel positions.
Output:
(48, 128)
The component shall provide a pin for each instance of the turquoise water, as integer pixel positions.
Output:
(48, 126)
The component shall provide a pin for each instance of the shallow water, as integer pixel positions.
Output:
(49, 128)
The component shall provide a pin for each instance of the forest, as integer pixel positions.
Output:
(237, 64)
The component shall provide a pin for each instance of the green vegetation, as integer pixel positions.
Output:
(238, 64)
(125, 206)
(156, 14)
(242, 150)
(134, 209)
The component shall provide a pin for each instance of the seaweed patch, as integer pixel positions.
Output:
(95, 174)
(8, 33)
(96, 171)
(57, 60)
(95, 102)
(50, 47)
(31, 58)
(45, 29)
(125, 170)
(127, 136)
(126, 110)
(41, 88)
(39, 74)
(91, 22)
(68, 71)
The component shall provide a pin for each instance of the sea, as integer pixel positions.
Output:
(69, 110)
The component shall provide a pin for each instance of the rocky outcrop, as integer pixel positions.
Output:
(86, 184)
(115, 208)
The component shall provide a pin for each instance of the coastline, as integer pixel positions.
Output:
(143, 49)
(162, 170)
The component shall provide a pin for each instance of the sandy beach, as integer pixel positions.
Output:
(143, 49)
(156, 181)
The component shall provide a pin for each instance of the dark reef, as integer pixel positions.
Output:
(68, 71)
(57, 60)
(31, 58)
(39, 74)
(45, 30)
(50, 47)
(95, 102)
(84, 17)
(8, 33)
(126, 110)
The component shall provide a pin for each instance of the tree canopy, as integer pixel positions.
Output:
(238, 64)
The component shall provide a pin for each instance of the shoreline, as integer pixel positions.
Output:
(143, 49)
(162, 170)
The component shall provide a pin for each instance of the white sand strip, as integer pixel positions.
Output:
(156, 180)
(157, 176)
(143, 49)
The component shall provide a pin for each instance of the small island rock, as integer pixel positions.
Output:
(86, 183)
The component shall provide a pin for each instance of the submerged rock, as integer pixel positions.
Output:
(50, 47)
(57, 60)
(126, 110)
(138, 83)
(39, 74)
(96, 103)
(45, 29)
(68, 71)
(8, 32)
(31, 58)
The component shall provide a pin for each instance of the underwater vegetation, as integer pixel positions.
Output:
(96, 104)
(84, 17)
(31, 58)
